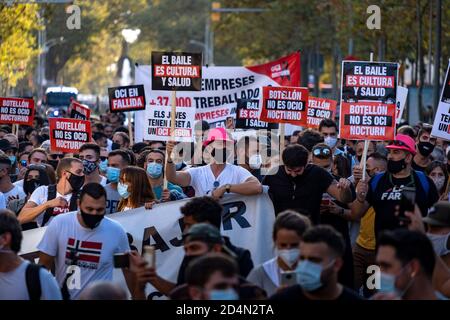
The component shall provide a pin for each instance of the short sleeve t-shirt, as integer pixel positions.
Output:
(295, 293)
(112, 199)
(387, 196)
(2, 201)
(203, 180)
(13, 284)
(40, 196)
(302, 193)
(92, 250)
(13, 194)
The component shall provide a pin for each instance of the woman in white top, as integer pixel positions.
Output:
(288, 229)
(134, 189)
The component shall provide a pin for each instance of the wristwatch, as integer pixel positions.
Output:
(227, 188)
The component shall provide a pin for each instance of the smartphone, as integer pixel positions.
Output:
(149, 256)
(407, 203)
(288, 278)
(121, 260)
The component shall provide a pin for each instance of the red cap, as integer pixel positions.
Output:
(217, 134)
(403, 142)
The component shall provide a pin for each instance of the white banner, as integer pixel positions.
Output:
(247, 220)
(402, 94)
(441, 125)
(221, 88)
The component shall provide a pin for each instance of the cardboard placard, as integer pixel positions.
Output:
(68, 135)
(128, 98)
(284, 105)
(17, 111)
(319, 109)
(247, 116)
(180, 71)
(79, 111)
(441, 124)
(368, 100)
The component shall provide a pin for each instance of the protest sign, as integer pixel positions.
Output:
(221, 88)
(17, 111)
(242, 222)
(284, 105)
(68, 135)
(180, 71)
(368, 100)
(402, 95)
(79, 111)
(319, 109)
(441, 125)
(247, 116)
(128, 98)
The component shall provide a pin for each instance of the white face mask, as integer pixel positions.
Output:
(439, 242)
(289, 256)
(330, 141)
(439, 182)
(255, 161)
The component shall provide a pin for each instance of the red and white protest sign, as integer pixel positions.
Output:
(68, 135)
(79, 111)
(368, 100)
(17, 111)
(319, 109)
(284, 105)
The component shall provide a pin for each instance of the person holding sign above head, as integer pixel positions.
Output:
(134, 189)
(219, 176)
(425, 146)
(154, 165)
(90, 155)
(48, 201)
(385, 190)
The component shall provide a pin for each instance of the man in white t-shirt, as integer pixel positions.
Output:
(219, 176)
(40, 208)
(117, 160)
(10, 191)
(37, 156)
(13, 269)
(90, 155)
(83, 243)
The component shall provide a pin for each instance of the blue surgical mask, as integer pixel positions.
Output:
(154, 169)
(123, 190)
(103, 166)
(112, 174)
(289, 256)
(12, 159)
(309, 274)
(227, 294)
(387, 283)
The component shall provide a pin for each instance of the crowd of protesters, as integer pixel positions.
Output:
(333, 220)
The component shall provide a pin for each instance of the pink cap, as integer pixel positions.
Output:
(217, 134)
(403, 142)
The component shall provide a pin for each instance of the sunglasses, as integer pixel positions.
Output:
(56, 156)
(321, 152)
(398, 143)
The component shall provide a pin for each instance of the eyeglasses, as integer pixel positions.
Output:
(56, 156)
(321, 152)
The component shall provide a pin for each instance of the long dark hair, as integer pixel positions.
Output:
(139, 188)
(433, 165)
(43, 178)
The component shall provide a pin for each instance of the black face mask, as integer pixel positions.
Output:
(115, 146)
(30, 185)
(351, 151)
(448, 168)
(359, 158)
(220, 154)
(76, 182)
(90, 220)
(396, 166)
(53, 163)
(425, 148)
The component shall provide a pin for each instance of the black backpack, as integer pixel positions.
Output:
(33, 281)
(52, 195)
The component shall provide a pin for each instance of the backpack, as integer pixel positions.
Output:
(33, 281)
(52, 195)
(422, 178)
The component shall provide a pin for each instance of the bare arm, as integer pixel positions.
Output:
(251, 186)
(341, 190)
(31, 210)
(46, 260)
(181, 178)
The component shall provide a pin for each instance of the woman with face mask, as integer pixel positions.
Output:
(287, 233)
(35, 176)
(154, 165)
(134, 189)
(437, 171)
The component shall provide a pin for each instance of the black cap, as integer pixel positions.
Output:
(5, 145)
(439, 215)
(204, 232)
(137, 147)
